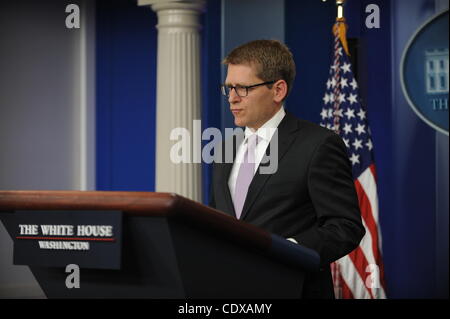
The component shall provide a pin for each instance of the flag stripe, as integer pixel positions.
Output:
(368, 198)
(371, 180)
(368, 268)
(368, 182)
(352, 278)
(359, 259)
(369, 242)
(368, 179)
(346, 291)
(366, 213)
(374, 172)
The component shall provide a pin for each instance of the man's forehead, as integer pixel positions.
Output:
(240, 74)
(251, 66)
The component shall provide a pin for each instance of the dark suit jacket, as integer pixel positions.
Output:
(311, 197)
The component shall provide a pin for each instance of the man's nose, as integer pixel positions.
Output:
(233, 97)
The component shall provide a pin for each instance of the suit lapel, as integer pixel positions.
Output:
(225, 171)
(226, 190)
(286, 136)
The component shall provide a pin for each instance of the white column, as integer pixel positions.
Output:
(178, 92)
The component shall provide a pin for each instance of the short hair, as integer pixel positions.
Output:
(272, 60)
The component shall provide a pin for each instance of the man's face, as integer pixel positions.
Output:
(258, 106)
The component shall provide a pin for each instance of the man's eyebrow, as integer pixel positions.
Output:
(237, 84)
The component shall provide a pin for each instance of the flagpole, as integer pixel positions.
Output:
(340, 26)
(340, 9)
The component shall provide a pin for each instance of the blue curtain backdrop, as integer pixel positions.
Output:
(126, 96)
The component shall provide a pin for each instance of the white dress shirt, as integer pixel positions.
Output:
(265, 134)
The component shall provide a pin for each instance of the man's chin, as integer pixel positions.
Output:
(238, 122)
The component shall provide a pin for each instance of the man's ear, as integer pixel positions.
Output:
(280, 90)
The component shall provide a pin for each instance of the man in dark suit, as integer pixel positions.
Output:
(310, 198)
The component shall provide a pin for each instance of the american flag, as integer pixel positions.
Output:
(360, 274)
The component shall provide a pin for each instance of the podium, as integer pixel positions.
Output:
(170, 248)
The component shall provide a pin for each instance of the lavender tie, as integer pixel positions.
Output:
(245, 175)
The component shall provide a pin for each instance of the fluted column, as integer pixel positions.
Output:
(178, 93)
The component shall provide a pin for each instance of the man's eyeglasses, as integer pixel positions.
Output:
(241, 90)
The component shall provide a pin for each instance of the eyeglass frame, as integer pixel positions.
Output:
(223, 88)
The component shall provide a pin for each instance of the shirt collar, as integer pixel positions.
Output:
(266, 131)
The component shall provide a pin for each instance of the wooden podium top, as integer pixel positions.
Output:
(149, 204)
(146, 203)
